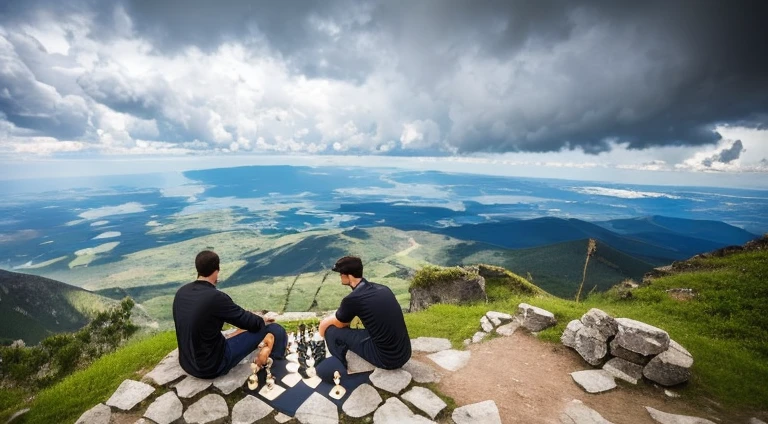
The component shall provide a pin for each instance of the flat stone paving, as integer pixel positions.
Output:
(451, 359)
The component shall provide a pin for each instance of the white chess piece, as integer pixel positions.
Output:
(337, 392)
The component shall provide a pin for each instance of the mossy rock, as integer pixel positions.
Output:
(455, 285)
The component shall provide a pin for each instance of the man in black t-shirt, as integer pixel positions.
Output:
(199, 312)
(384, 342)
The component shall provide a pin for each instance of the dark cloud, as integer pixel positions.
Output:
(498, 76)
(727, 155)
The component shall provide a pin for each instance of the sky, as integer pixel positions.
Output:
(670, 91)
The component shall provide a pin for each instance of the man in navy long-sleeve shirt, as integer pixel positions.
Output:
(199, 312)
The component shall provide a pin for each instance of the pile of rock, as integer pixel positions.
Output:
(530, 317)
(628, 349)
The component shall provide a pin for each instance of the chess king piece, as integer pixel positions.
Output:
(337, 392)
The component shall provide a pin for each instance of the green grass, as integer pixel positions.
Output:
(432, 275)
(11, 400)
(67, 400)
(725, 327)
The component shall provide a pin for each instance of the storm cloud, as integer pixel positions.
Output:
(394, 77)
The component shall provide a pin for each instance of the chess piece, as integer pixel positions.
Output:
(337, 392)
(270, 391)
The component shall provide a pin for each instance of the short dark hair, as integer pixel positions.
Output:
(207, 263)
(349, 265)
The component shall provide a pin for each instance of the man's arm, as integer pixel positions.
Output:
(331, 321)
(233, 314)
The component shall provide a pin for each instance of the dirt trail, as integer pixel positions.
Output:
(530, 382)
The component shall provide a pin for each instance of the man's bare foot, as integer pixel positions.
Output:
(265, 349)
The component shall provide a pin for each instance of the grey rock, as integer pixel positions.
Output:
(635, 358)
(425, 400)
(393, 381)
(468, 288)
(191, 386)
(754, 420)
(498, 318)
(591, 345)
(534, 318)
(485, 324)
(601, 322)
(671, 393)
(210, 408)
(394, 411)
(235, 378)
(129, 394)
(594, 381)
(356, 364)
(364, 400)
(165, 409)
(282, 418)
(317, 410)
(143, 421)
(99, 414)
(624, 370)
(421, 372)
(430, 344)
(578, 413)
(478, 337)
(671, 367)
(484, 412)
(569, 335)
(249, 410)
(451, 359)
(167, 370)
(507, 330)
(640, 337)
(665, 418)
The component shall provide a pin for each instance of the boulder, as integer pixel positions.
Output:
(624, 370)
(666, 418)
(578, 413)
(486, 324)
(393, 381)
(589, 342)
(211, 408)
(628, 355)
(498, 318)
(534, 318)
(478, 337)
(451, 359)
(318, 410)
(594, 381)
(425, 400)
(364, 400)
(600, 321)
(671, 367)
(99, 414)
(640, 337)
(430, 344)
(484, 412)
(465, 289)
(129, 394)
(165, 409)
(507, 330)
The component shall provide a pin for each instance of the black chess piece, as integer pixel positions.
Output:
(318, 351)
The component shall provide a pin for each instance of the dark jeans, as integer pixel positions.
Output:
(241, 345)
(341, 340)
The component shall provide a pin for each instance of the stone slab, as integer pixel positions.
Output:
(484, 412)
(479, 336)
(578, 413)
(129, 394)
(191, 386)
(507, 330)
(167, 370)
(394, 411)
(594, 381)
(165, 409)
(421, 372)
(210, 408)
(640, 337)
(498, 318)
(317, 410)
(486, 324)
(99, 414)
(425, 400)
(670, 367)
(429, 344)
(364, 400)
(356, 364)
(451, 359)
(666, 418)
(235, 378)
(249, 410)
(282, 418)
(393, 381)
(624, 370)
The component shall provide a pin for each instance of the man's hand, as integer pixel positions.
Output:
(330, 321)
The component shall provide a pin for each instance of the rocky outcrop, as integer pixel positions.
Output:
(462, 287)
(587, 341)
(640, 337)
